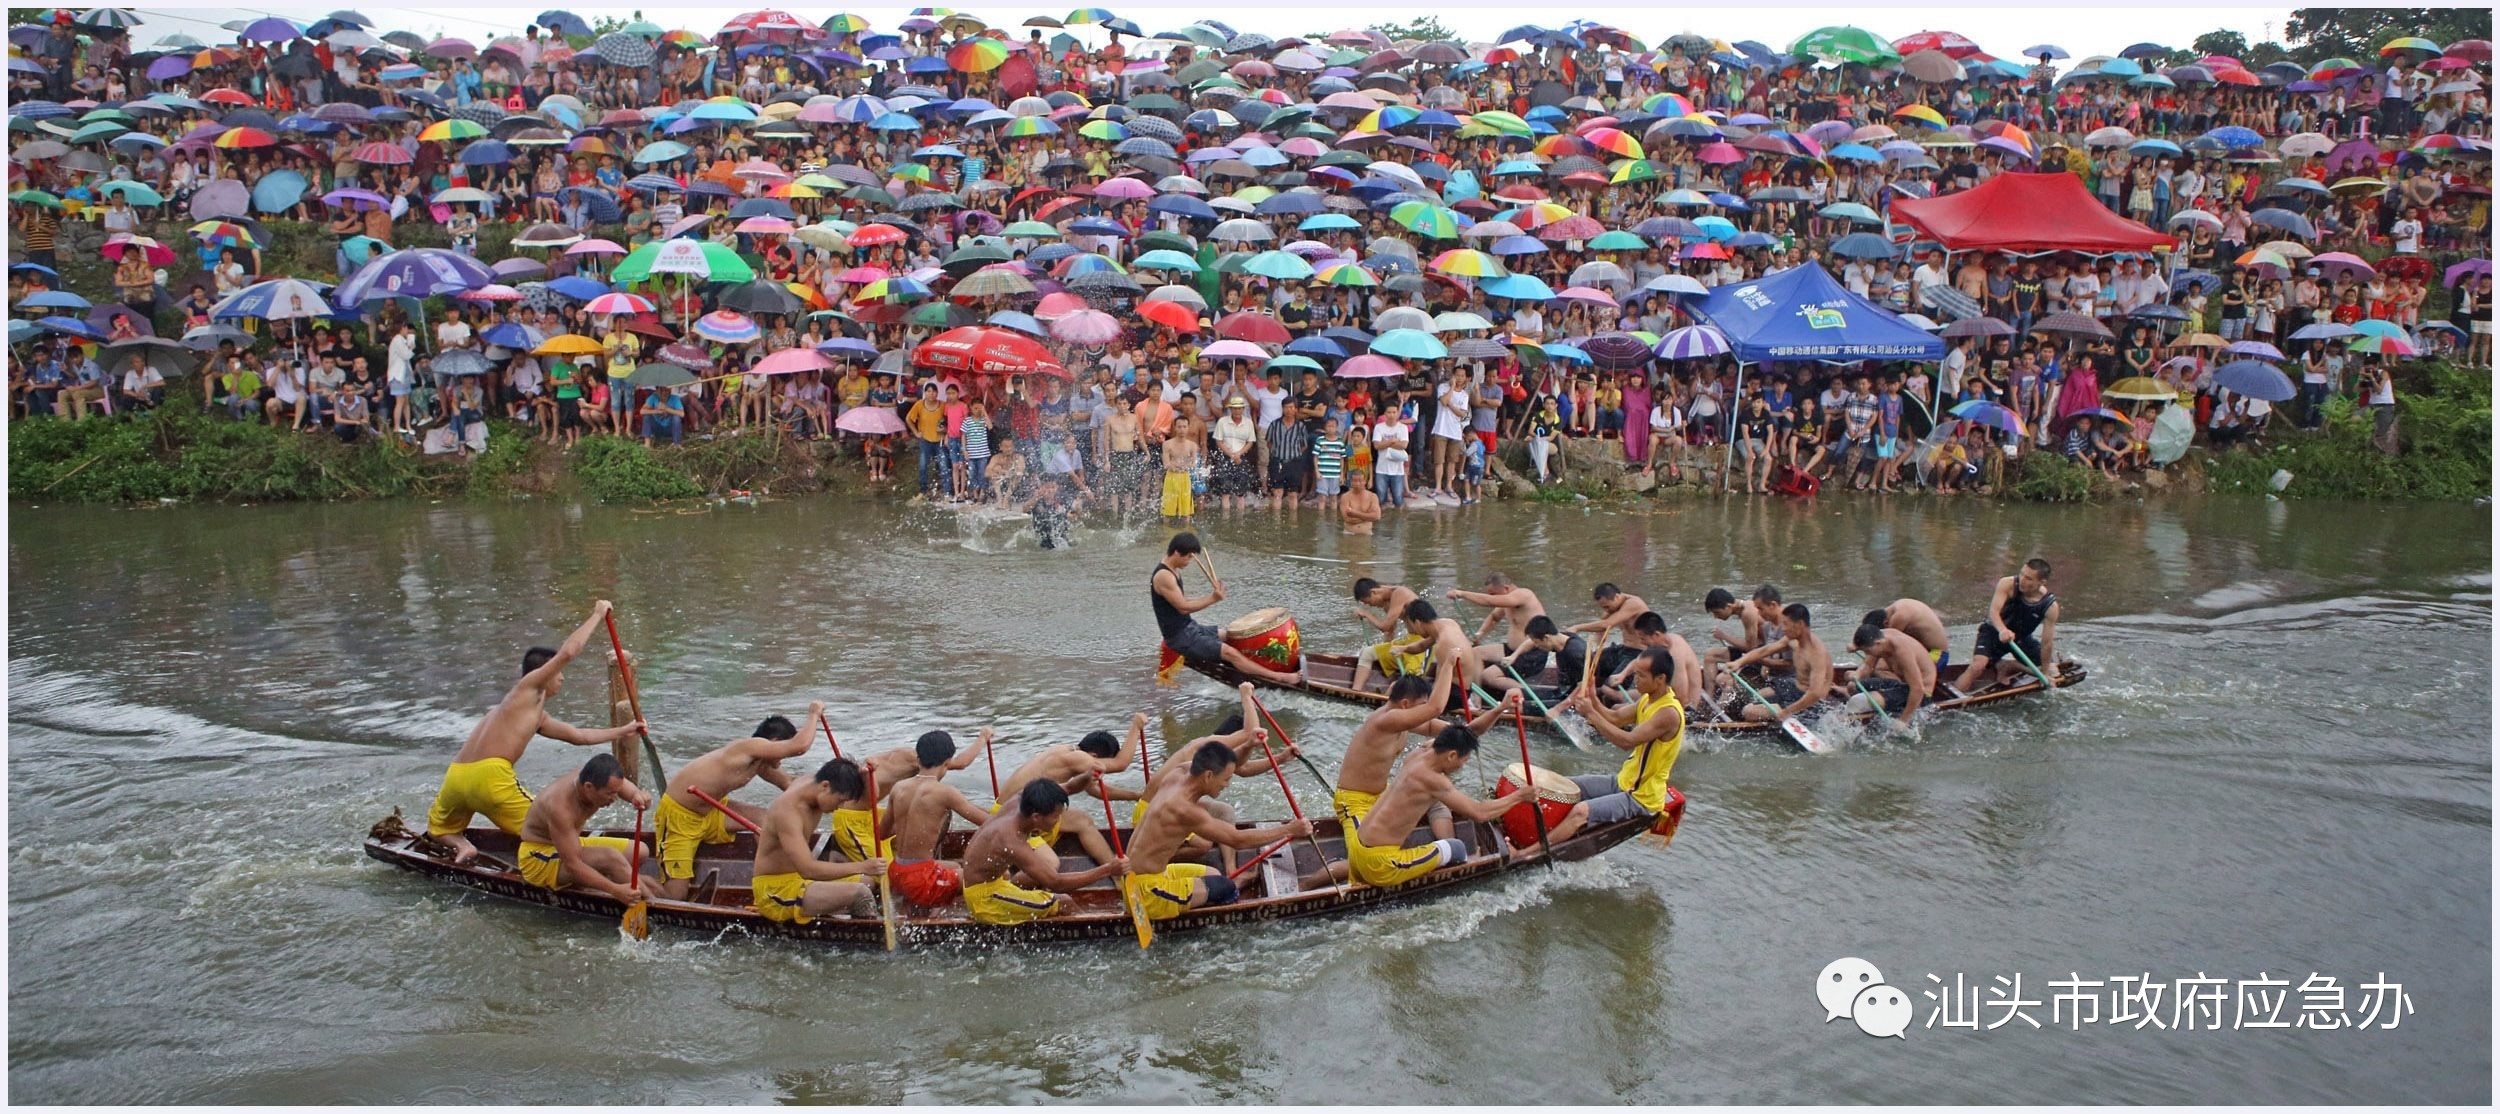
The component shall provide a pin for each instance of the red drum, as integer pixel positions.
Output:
(1555, 795)
(1268, 636)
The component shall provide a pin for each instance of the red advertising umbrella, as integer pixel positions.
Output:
(982, 350)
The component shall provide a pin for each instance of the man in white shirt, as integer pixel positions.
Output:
(1270, 396)
(1930, 273)
(2407, 232)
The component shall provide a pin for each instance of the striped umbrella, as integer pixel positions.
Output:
(1693, 342)
(728, 327)
(618, 303)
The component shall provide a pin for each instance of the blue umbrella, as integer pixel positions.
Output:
(1005, 319)
(485, 152)
(278, 191)
(2154, 147)
(1317, 346)
(578, 288)
(413, 273)
(564, 22)
(1864, 245)
(1517, 286)
(598, 204)
(274, 300)
(70, 326)
(2235, 137)
(54, 299)
(1409, 344)
(2255, 379)
(21, 331)
(1183, 205)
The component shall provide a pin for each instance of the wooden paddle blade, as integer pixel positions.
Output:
(1144, 924)
(637, 922)
(885, 898)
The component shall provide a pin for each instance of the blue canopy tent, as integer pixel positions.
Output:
(1802, 313)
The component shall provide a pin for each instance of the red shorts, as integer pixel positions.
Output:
(928, 883)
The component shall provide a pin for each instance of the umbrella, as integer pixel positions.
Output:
(2255, 379)
(1691, 343)
(1991, 415)
(1370, 367)
(1086, 326)
(660, 374)
(872, 421)
(2140, 388)
(413, 273)
(274, 300)
(986, 350)
(1409, 344)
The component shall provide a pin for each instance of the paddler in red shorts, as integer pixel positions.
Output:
(918, 811)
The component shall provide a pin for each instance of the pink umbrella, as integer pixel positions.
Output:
(693, 357)
(1056, 306)
(864, 274)
(874, 421)
(595, 247)
(1303, 146)
(618, 303)
(757, 170)
(1368, 366)
(1086, 326)
(687, 225)
(1125, 189)
(792, 359)
(1721, 152)
(493, 292)
(1586, 294)
(766, 226)
(1232, 350)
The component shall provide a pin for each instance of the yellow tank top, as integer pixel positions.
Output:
(1644, 775)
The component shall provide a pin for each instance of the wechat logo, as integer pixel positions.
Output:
(1853, 988)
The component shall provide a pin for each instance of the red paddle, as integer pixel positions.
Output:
(837, 743)
(637, 920)
(713, 801)
(1536, 803)
(633, 699)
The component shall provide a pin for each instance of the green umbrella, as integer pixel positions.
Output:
(725, 264)
(34, 197)
(1617, 240)
(940, 315)
(139, 193)
(1845, 44)
(657, 375)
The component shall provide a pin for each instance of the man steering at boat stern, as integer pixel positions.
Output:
(2021, 608)
(480, 778)
(1169, 889)
(1651, 727)
(553, 852)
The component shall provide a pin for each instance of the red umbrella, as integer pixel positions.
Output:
(1257, 328)
(982, 350)
(1171, 315)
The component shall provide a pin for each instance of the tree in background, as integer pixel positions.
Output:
(2318, 33)
(1422, 29)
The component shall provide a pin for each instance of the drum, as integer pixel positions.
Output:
(1555, 796)
(1268, 636)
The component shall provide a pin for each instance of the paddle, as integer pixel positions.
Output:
(885, 885)
(1571, 728)
(637, 921)
(836, 743)
(1137, 917)
(1795, 728)
(1568, 721)
(2046, 685)
(1279, 770)
(723, 809)
(1280, 733)
(633, 698)
(1536, 804)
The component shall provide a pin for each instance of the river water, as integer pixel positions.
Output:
(2280, 766)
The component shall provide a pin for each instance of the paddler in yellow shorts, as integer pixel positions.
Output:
(791, 884)
(1249, 751)
(481, 777)
(1408, 656)
(1363, 775)
(1380, 856)
(1168, 889)
(1008, 880)
(1075, 768)
(554, 854)
(684, 823)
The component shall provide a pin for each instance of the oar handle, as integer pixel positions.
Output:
(723, 809)
(633, 700)
(2046, 684)
(1261, 705)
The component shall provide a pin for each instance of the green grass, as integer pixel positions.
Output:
(2444, 414)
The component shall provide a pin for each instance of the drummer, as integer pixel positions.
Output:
(1651, 727)
(1194, 641)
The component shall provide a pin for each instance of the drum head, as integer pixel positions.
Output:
(1257, 622)
(1549, 784)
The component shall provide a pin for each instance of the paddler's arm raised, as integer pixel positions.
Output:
(1485, 720)
(1129, 747)
(1661, 726)
(963, 759)
(548, 671)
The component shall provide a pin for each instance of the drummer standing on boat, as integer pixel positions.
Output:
(481, 777)
(1195, 641)
(2021, 613)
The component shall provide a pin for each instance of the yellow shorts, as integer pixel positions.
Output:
(487, 785)
(682, 831)
(1177, 501)
(1003, 902)
(1395, 658)
(539, 861)
(1166, 895)
(853, 831)
(779, 897)
(1388, 866)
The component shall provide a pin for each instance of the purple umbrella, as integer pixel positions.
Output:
(358, 200)
(451, 48)
(2466, 270)
(224, 197)
(169, 67)
(519, 268)
(412, 273)
(1616, 351)
(271, 30)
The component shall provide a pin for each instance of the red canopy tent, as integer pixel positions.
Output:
(2026, 212)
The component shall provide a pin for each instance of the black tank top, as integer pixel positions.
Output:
(1168, 618)
(2022, 617)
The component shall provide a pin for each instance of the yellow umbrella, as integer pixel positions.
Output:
(2140, 388)
(568, 344)
(2199, 340)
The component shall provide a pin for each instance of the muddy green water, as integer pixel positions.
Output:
(2280, 765)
